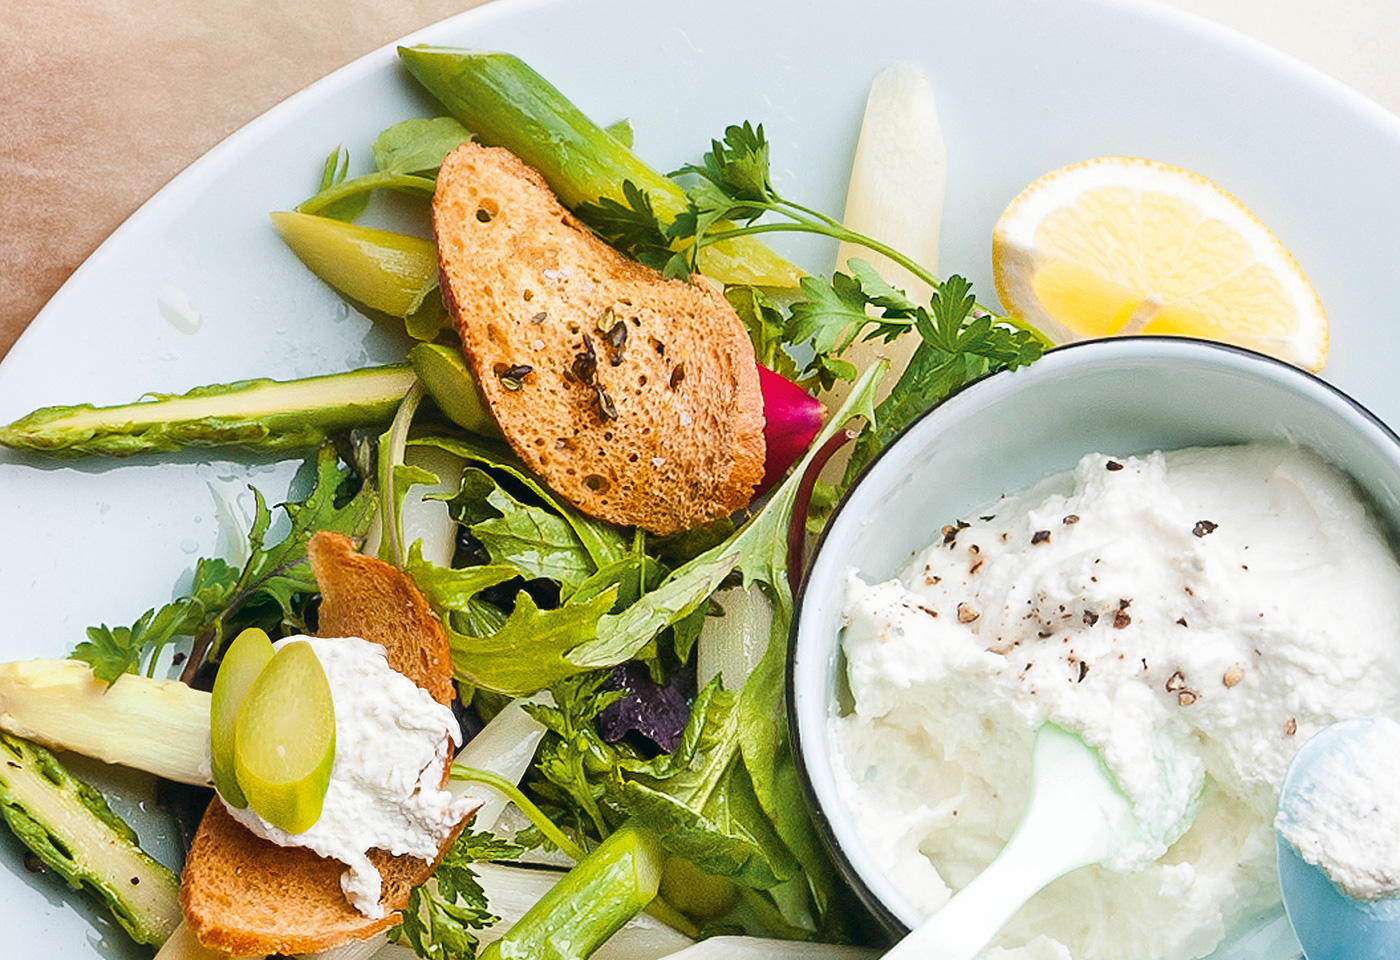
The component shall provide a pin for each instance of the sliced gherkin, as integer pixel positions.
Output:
(273, 415)
(391, 272)
(242, 663)
(284, 742)
(71, 829)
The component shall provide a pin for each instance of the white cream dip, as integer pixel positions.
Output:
(1344, 814)
(392, 740)
(1195, 616)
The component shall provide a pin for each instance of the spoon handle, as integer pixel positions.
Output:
(1067, 824)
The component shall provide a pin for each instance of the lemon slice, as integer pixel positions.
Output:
(1120, 245)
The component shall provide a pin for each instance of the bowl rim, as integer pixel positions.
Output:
(1132, 346)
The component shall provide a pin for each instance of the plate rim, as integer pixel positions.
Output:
(383, 57)
(194, 178)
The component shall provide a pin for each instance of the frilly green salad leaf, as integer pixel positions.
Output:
(338, 503)
(768, 329)
(603, 541)
(539, 542)
(532, 649)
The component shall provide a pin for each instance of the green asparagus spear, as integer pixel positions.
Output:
(595, 899)
(73, 831)
(257, 414)
(507, 104)
(445, 376)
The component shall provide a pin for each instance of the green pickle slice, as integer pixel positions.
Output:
(250, 652)
(284, 744)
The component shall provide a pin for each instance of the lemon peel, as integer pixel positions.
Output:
(1122, 245)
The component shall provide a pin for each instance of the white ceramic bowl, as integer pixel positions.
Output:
(1003, 433)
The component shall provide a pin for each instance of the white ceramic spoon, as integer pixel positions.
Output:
(1075, 816)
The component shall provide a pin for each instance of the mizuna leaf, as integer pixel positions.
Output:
(531, 651)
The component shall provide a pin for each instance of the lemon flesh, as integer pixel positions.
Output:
(245, 658)
(1120, 245)
(284, 745)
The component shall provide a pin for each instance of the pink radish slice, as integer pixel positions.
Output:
(791, 418)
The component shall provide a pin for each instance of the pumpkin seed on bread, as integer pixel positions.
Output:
(634, 397)
(248, 896)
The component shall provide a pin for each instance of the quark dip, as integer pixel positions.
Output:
(392, 741)
(1195, 616)
(1343, 814)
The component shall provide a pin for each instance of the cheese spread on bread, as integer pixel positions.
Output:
(392, 742)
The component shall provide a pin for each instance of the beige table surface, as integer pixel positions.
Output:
(102, 102)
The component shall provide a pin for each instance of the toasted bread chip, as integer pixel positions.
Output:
(246, 896)
(634, 397)
(367, 598)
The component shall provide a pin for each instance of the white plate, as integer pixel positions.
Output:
(1023, 86)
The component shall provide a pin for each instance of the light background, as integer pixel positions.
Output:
(102, 103)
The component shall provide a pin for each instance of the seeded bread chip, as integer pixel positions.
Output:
(367, 598)
(249, 897)
(634, 397)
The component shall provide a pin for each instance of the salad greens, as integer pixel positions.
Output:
(269, 591)
(543, 600)
(406, 157)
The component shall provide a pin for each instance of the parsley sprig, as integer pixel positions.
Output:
(731, 194)
(441, 917)
(957, 345)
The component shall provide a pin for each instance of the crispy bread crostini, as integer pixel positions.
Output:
(247, 896)
(634, 397)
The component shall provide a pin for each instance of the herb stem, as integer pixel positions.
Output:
(835, 232)
(809, 212)
(514, 794)
(804, 220)
(199, 651)
(383, 179)
(392, 446)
